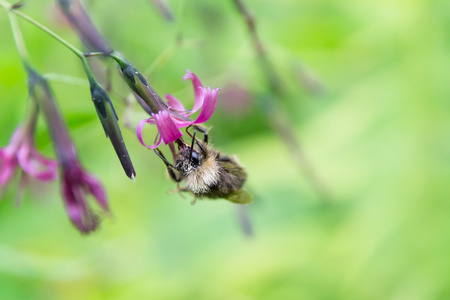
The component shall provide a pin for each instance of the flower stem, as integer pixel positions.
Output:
(275, 114)
(8, 6)
(66, 79)
(18, 38)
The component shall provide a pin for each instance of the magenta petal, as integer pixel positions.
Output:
(76, 184)
(139, 129)
(181, 124)
(197, 84)
(209, 105)
(166, 127)
(157, 143)
(43, 160)
(75, 203)
(180, 120)
(36, 165)
(174, 103)
(17, 136)
(96, 190)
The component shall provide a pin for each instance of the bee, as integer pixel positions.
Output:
(206, 172)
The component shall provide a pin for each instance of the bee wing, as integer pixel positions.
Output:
(240, 197)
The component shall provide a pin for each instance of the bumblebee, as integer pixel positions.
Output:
(206, 172)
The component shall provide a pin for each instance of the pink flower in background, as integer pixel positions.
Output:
(21, 153)
(170, 121)
(76, 183)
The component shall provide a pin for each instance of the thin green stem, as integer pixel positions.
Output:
(67, 79)
(8, 6)
(161, 59)
(18, 39)
(88, 70)
(89, 54)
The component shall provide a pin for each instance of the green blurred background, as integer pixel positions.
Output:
(376, 136)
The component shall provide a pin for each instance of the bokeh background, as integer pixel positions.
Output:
(366, 89)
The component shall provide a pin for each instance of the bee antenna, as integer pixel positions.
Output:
(192, 146)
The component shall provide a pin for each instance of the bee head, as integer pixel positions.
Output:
(188, 159)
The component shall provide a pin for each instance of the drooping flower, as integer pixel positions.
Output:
(76, 183)
(21, 153)
(169, 121)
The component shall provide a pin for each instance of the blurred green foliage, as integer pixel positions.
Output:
(377, 137)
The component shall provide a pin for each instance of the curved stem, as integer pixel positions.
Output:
(8, 6)
(18, 38)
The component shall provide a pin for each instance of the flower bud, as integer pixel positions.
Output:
(109, 120)
(136, 81)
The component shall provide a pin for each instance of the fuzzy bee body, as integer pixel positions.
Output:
(207, 173)
(214, 176)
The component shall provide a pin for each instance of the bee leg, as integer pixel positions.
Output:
(179, 190)
(186, 190)
(173, 175)
(201, 129)
(169, 166)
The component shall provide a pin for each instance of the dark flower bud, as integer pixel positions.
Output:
(139, 85)
(109, 120)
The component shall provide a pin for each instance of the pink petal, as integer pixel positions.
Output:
(158, 142)
(209, 105)
(166, 127)
(75, 203)
(180, 124)
(36, 165)
(197, 84)
(96, 190)
(179, 119)
(139, 129)
(16, 137)
(174, 103)
(76, 183)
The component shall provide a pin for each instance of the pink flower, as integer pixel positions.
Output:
(76, 183)
(170, 120)
(21, 153)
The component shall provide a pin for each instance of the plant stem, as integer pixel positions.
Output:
(66, 79)
(8, 6)
(18, 38)
(275, 114)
